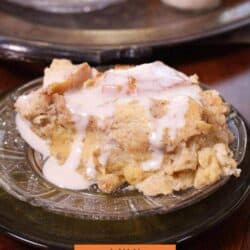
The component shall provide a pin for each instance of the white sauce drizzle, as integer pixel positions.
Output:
(151, 79)
(105, 152)
(91, 169)
(154, 163)
(36, 142)
(103, 157)
(64, 176)
(149, 76)
(89, 101)
(173, 119)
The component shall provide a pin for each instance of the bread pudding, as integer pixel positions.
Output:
(148, 126)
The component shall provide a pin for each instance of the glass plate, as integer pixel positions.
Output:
(98, 218)
(21, 176)
(128, 30)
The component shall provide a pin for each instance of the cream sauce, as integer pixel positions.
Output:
(151, 77)
(154, 163)
(64, 176)
(36, 142)
(67, 175)
(173, 119)
(154, 80)
(91, 169)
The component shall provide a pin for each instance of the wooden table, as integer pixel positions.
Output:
(225, 68)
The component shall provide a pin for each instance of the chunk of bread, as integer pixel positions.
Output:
(62, 75)
(131, 127)
(158, 183)
(61, 142)
(33, 104)
(209, 170)
(194, 125)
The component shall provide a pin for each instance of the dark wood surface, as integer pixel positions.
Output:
(225, 68)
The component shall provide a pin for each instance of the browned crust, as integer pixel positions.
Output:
(123, 66)
(75, 80)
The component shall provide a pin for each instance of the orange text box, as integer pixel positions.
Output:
(125, 247)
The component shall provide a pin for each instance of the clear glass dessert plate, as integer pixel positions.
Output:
(21, 176)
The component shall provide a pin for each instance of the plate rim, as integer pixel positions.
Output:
(45, 244)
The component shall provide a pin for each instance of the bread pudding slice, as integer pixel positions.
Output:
(149, 126)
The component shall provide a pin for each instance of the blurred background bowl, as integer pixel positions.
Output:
(66, 6)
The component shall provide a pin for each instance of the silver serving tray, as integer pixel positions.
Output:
(129, 30)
